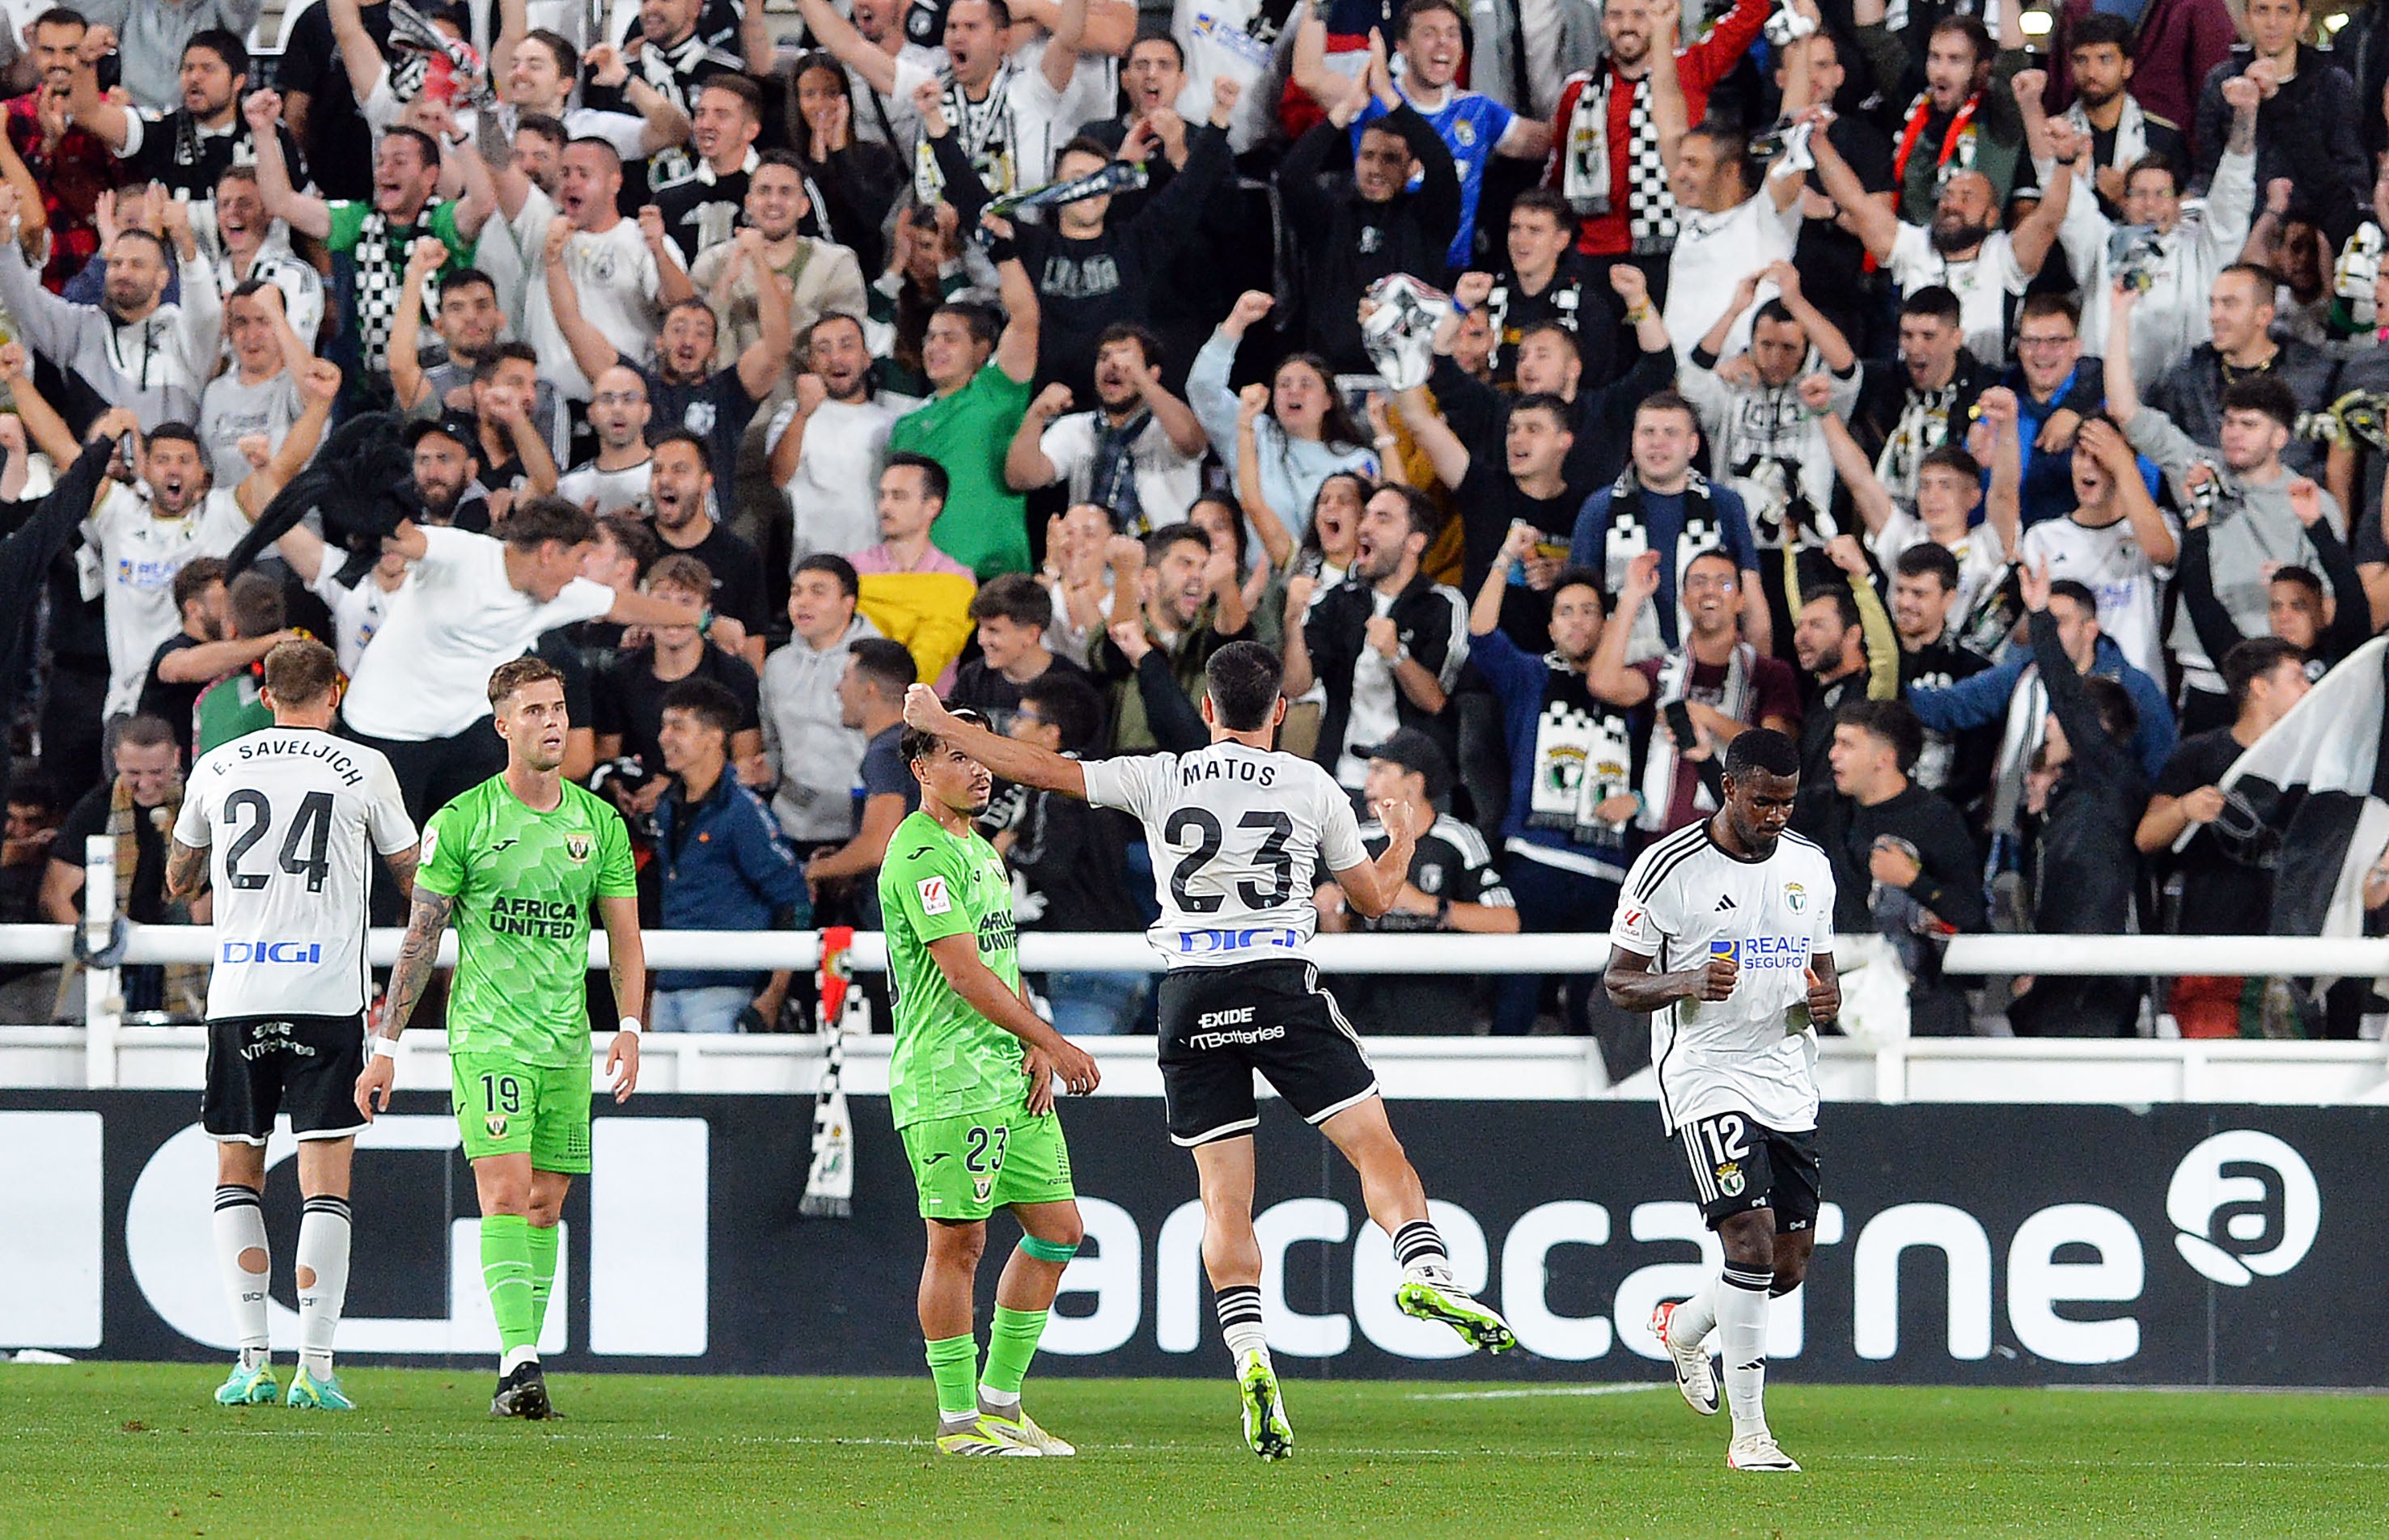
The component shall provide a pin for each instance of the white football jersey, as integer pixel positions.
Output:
(1235, 832)
(1686, 901)
(286, 814)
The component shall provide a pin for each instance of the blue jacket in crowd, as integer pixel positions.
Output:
(725, 868)
(1982, 701)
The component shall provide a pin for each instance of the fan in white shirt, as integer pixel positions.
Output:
(1965, 249)
(2116, 543)
(1725, 231)
(1948, 487)
(829, 443)
(616, 480)
(145, 537)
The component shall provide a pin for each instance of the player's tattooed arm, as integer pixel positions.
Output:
(1633, 986)
(417, 955)
(401, 867)
(186, 870)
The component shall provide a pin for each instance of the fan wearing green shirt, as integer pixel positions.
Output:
(979, 393)
(971, 1085)
(518, 862)
(372, 238)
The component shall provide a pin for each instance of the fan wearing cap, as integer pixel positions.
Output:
(1453, 886)
(447, 452)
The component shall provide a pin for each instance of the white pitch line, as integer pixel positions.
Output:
(1538, 1391)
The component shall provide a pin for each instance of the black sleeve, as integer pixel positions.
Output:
(1470, 408)
(2098, 757)
(1176, 725)
(86, 818)
(2212, 124)
(26, 554)
(2351, 620)
(1437, 204)
(963, 189)
(1308, 209)
(607, 712)
(1175, 214)
(2086, 395)
(1323, 637)
(307, 56)
(740, 677)
(1950, 883)
(2218, 632)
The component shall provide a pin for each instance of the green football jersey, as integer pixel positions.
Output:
(525, 884)
(948, 1059)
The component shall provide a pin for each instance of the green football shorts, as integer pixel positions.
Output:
(967, 1167)
(505, 1107)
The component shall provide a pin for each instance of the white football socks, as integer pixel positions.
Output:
(240, 1232)
(1742, 1332)
(323, 1275)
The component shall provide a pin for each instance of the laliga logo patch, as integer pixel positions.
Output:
(2247, 1206)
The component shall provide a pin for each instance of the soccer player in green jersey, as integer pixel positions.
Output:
(971, 1083)
(518, 862)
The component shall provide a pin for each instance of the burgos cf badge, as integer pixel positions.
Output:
(577, 847)
(495, 1123)
(1728, 1178)
(1795, 897)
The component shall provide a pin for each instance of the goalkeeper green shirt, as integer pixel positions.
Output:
(948, 1059)
(525, 884)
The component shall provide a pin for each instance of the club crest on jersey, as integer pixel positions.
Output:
(1795, 897)
(577, 847)
(934, 897)
(1728, 1178)
(495, 1123)
(981, 1187)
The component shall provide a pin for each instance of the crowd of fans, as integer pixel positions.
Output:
(2001, 413)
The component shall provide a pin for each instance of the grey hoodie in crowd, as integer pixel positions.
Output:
(819, 761)
(157, 366)
(2253, 530)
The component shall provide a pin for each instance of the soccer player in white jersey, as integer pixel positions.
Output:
(1725, 931)
(289, 818)
(1237, 829)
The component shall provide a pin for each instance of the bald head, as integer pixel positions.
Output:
(618, 409)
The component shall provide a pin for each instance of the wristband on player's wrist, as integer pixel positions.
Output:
(385, 1047)
(631, 1024)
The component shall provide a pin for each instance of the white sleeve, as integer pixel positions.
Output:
(582, 599)
(445, 547)
(1340, 845)
(1129, 781)
(2000, 251)
(1909, 249)
(1070, 443)
(191, 824)
(1821, 941)
(626, 132)
(1634, 927)
(386, 818)
(910, 77)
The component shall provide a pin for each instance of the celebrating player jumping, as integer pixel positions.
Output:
(1723, 928)
(971, 1085)
(518, 862)
(288, 812)
(1237, 829)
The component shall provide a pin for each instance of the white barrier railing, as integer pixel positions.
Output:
(1929, 1068)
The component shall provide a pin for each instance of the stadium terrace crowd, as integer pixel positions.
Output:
(1565, 389)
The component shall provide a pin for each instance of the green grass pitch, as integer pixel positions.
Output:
(94, 1450)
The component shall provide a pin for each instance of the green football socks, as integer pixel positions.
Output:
(506, 1273)
(1010, 1344)
(954, 1362)
(542, 1274)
